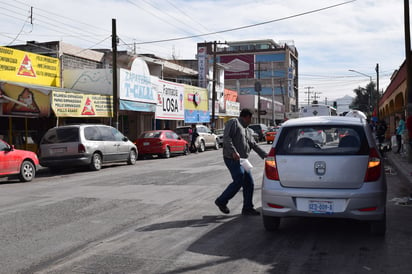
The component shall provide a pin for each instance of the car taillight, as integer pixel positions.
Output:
(271, 168)
(374, 169)
(81, 148)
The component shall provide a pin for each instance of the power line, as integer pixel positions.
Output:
(247, 26)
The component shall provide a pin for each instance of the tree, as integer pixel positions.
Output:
(366, 98)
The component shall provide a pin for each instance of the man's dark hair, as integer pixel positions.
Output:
(246, 113)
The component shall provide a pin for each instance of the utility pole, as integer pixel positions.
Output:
(377, 88)
(308, 92)
(408, 67)
(283, 99)
(273, 99)
(214, 85)
(258, 88)
(315, 96)
(114, 68)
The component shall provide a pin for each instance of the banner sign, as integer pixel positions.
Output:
(22, 101)
(232, 108)
(202, 66)
(66, 104)
(169, 99)
(30, 68)
(238, 66)
(196, 105)
(136, 87)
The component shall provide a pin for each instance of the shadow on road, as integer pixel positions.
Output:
(302, 245)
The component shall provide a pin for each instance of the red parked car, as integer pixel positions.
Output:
(163, 143)
(16, 162)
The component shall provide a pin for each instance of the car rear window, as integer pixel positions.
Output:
(182, 130)
(61, 135)
(321, 140)
(152, 134)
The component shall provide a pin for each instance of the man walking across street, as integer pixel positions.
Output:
(237, 143)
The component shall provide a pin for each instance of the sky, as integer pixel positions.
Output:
(331, 36)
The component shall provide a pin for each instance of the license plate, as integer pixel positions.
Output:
(320, 206)
(146, 143)
(59, 150)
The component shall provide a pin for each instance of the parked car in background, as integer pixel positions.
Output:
(206, 138)
(271, 134)
(85, 145)
(260, 129)
(16, 162)
(345, 178)
(219, 134)
(254, 135)
(162, 143)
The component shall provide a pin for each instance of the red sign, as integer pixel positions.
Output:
(238, 66)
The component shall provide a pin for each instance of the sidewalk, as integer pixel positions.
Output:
(398, 163)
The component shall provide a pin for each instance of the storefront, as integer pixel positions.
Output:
(26, 81)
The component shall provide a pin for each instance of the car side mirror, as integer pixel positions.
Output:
(125, 139)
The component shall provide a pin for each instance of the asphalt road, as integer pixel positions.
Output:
(159, 217)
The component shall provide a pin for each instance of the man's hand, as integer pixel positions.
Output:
(236, 156)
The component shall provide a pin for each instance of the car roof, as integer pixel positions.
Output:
(82, 125)
(324, 120)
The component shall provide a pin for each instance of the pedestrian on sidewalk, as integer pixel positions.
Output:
(380, 134)
(399, 131)
(237, 143)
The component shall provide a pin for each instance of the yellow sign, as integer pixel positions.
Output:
(66, 104)
(22, 101)
(195, 98)
(31, 68)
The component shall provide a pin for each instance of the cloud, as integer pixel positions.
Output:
(356, 35)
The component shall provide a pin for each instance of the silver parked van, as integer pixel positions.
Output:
(85, 145)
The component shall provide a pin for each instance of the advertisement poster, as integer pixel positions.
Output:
(196, 105)
(65, 104)
(21, 101)
(30, 68)
(169, 100)
(238, 66)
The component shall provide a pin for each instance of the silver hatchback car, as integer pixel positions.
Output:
(85, 145)
(344, 178)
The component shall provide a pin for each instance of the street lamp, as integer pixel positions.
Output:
(370, 77)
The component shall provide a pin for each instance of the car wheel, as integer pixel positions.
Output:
(186, 150)
(27, 171)
(217, 146)
(166, 154)
(271, 223)
(132, 158)
(96, 163)
(378, 228)
(202, 146)
(268, 142)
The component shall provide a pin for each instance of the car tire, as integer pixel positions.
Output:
(271, 223)
(166, 154)
(217, 146)
(186, 150)
(132, 158)
(96, 162)
(27, 171)
(378, 228)
(202, 146)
